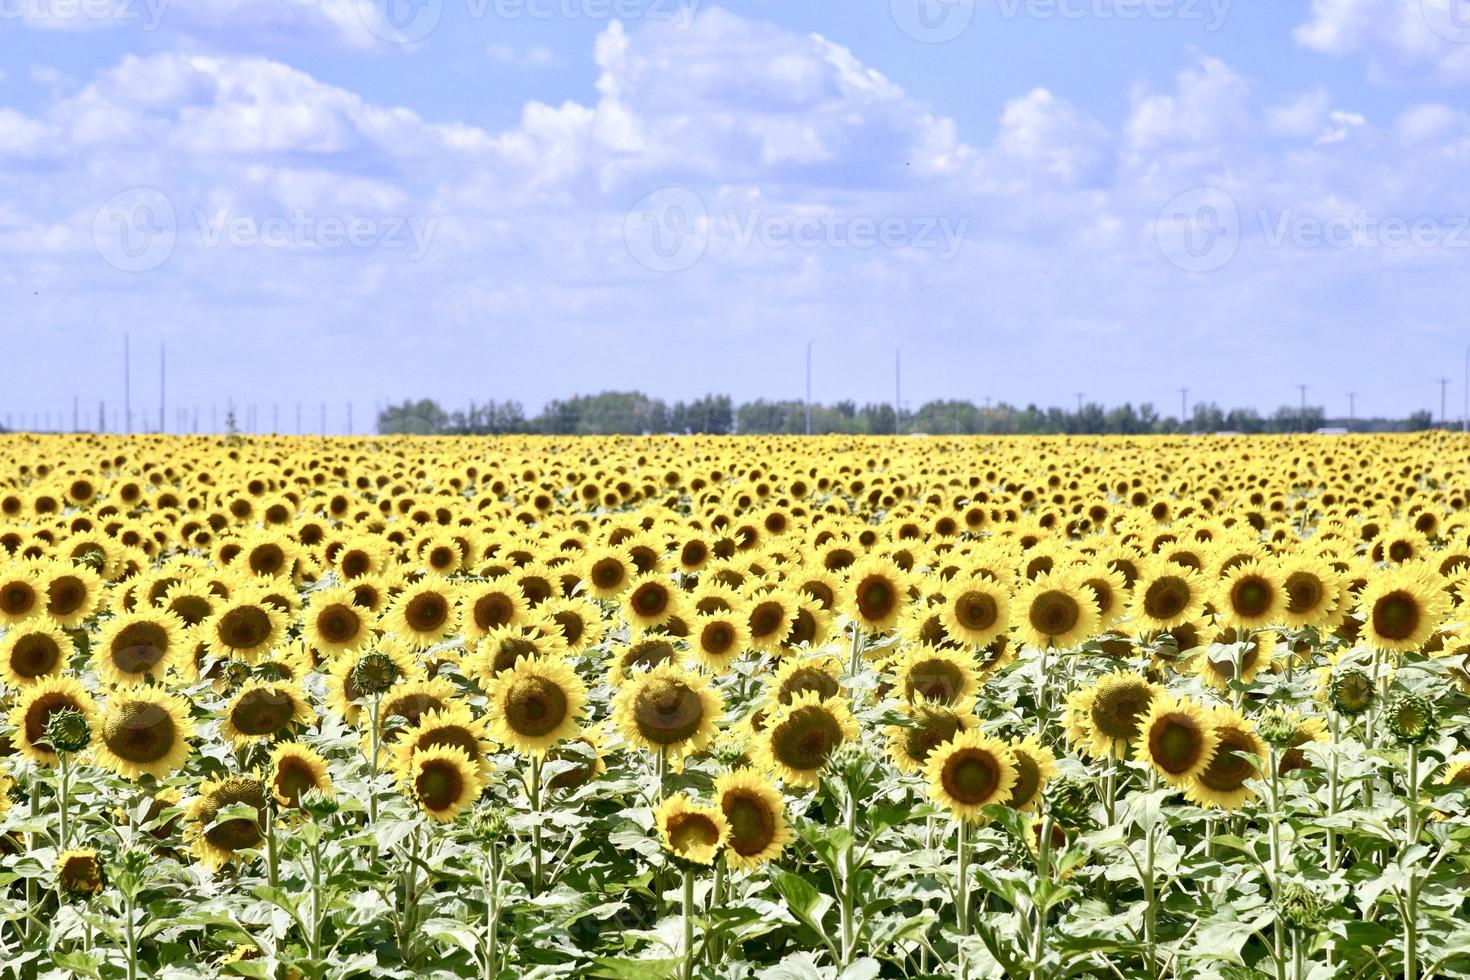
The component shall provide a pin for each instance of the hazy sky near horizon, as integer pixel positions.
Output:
(357, 200)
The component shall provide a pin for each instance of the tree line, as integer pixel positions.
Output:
(633, 412)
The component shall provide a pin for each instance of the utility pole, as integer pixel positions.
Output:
(1183, 407)
(1443, 386)
(101, 415)
(1352, 409)
(127, 385)
(1079, 404)
(809, 387)
(1302, 417)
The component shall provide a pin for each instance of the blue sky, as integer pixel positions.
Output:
(335, 201)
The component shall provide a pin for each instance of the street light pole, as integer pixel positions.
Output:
(1303, 416)
(1443, 385)
(1183, 406)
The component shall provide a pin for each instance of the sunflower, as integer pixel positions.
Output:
(810, 626)
(79, 873)
(444, 781)
(1177, 739)
(800, 737)
(974, 609)
(971, 772)
(1105, 719)
(580, 761)
(930, 726)
(73, 592)
(190, 599)
(649, 601)
(454, 725)
(691, 832)
(1166, 596)
(874, 594)
(756, 816)
(217, 843)
(404, 705)
(1054, 609)
(503, 647)
(1109, 588)
(34, 708)
(941, 676)
(333, 622)
(242, 627)
(535, 704)
(607, 572)
(769, 617)
(22, 593)
(1251, 596)
(144, 730)
(1400, 610)
(138, 646)
(1255, 653)
(641, 653)
(265, 710)
(578, 620)
(422, 614)
(1313, 591)
(1238, 759)
(32, 650)
(719, 638)
(492, 604)
(668, 709)
(294, 769)
(343, 694)
(1036, 765)
(798, 675)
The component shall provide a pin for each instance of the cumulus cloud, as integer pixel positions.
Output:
(1400, 38)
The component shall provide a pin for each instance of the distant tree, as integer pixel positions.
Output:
(423, 417)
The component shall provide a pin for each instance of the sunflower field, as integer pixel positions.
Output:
(735, 707)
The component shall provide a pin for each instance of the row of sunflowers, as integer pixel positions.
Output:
(723, 707)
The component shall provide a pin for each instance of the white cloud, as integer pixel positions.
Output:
(1041, 129)
(1208, 104)
(538, 56)
(1400, 38)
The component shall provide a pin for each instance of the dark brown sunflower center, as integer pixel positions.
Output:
(752, 824)
(650, 599)
(1175, 743)
(1117, 711)
(356, 564)
(766, 618)
(192, 609)
(976, 610)
(263, 711)
(294, 776)
(648, 654)
(1028, 779)
(139, 647)
(1054, 613)
(237, 833)
(140, 732)
(17, 598)
(535, 706)
(38, 712)
(426, 612)
(1102, 589)
(688, 831)
(65, 595)
(607, 573)
(717, 638)
(971, 776)
(267, 559)
(1304, 592)
(1396, 616)
(1166, 597)
(805, 739)
(667, 711)
(244, 627)
(1251, 596)
(35, 655)
(492, 610)
(934, 729)
(876, 598)
(339, 623)
(934, 680)
(821, 592)
(439, 784)
(1232, 764)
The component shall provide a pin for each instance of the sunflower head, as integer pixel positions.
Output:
(692, 833)
(1176, 739)
(79, 873)
(1410, 718)
(68, 730)
(971, 772)
(1351, 692)
(374, 673)
(444, 781)
(756, 817)
(801, 737)
(536, 703)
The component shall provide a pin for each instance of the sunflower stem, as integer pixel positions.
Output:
(63, 795)
(717, 900)
(1041, 690)
(536, 823)
(130, 936)
(1043, 867)
(1332, 799)
(492, 913)
(373, 762)
(1278, 928)
(962, 880)
(688, 969)
(315, 938)
(855, 666)
(847, 865)
(1151, 909)
(1411, 891)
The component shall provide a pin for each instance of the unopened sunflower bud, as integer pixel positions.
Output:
(1410, 718)
(1351, 692)
(1300, 907)
(68, 730)
(490, 823)
(374, 673)
(1278, 727)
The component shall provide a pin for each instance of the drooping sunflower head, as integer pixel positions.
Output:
(294, 769)
(536, 703)
(138, 646)
(971, 772)
(144, 731)
(79, 873)
(797, 675)
(799, 738)
(940, 676)
(668, 709)
(1054, 609)
(691, 832)
(1177, 739)
(265, 710)
(444, 781)
(1108, 715)
(756, 816)
(217, 842)
(931, 725)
